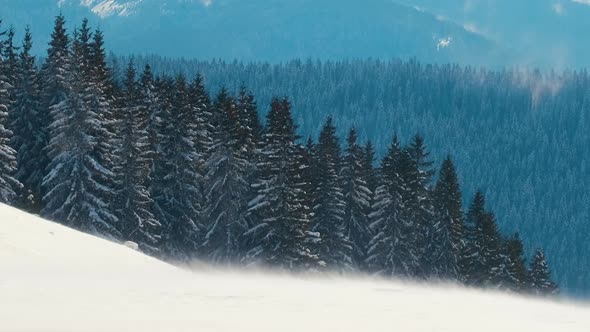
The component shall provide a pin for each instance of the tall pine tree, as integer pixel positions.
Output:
(357, 199)
(9, 185)
(278, 235)
(329, 208)
(540, 276)
(132, 170)
(29, 124)
(179, 197)
(77, 184)
(387, 249)
(226, 185)
(448, 227)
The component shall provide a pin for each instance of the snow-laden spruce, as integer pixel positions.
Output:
(29, 122)
(9, 185)
(280, 233)
(79, 189)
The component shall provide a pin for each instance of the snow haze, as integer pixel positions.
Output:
(57, 279)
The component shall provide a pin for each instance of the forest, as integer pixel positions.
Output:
(155, 159)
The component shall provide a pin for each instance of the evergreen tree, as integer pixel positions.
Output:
(419, 173)
(484, 256)
(29, 124)
(9, 186)
(540, 276)
(54, 74)
(470, 263)
(387, 247)
(329, 208)
(133, 167)
(178, 195)
(250, 128)
(10, 59)
(448, 228)
(149, 104)
(357, 198)
(77, 194)
(226, 183)
(412, 230)
(279, 235)
(368, 163)
(515, 274)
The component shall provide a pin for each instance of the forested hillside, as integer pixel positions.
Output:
(256, 30)
(520, 136)
(155, 159)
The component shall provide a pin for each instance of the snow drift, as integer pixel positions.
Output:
(56, 279)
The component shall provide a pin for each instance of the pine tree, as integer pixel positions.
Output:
(75, 186)
(515, 274)
(483, 257)
(357, 198)
(29, 124)
(134, 203)
(178, 196)
(387, 247)
(419, 173)
(447, 240)
(250, 131)
(335, 247)
(412, 230)
(10, 59)
(54, 73)
(470, 263)
(149, 105)
(368, 164)
(226, 184)
(492, 255)
(9, 185)
(540, 276)
(278, 237)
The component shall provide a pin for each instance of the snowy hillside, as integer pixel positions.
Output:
(57, 279)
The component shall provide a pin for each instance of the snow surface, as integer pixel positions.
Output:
(56, 279)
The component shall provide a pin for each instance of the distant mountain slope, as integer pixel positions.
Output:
(262, 30)
(542, 32)
(57, 279)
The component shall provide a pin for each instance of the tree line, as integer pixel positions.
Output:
(155, 160)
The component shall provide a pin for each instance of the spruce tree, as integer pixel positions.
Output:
(149, 104)
(489, 245)
(9, 185)
(178, 197)
(368, 165)
(515, 274)
(386, 249)
(29, 124)
(540, 276)
(132, 170)
(250, 131)
(278, 237)
(54, 74)
(329, 207)
(470, 264)
(483, 257)
(357, 199)
(418, 178)
(226, 184)
(413, 235)
(77, 194)
(10, 59)
(448, 227)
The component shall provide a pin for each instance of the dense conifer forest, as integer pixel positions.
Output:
(518, 135)
(155, 159)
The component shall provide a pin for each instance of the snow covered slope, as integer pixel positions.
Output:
(55, 279)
